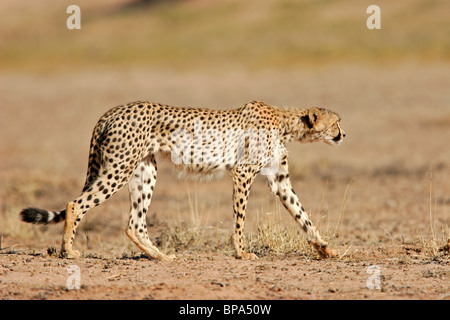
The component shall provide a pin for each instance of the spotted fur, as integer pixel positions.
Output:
(127, 138)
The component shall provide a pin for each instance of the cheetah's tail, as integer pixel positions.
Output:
(39, 216)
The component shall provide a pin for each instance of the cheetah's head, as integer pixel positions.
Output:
(323, 125)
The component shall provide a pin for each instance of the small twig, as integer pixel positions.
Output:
(345, 252)
(219, 283)
(116, 276)
(1, 249)
(387, 232)
(342, 211)
(1, 241)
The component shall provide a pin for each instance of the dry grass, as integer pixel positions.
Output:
(274, 238)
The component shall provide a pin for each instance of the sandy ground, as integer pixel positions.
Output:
(215, 276)
(382, 198)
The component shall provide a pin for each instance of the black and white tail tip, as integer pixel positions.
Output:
(39, 216)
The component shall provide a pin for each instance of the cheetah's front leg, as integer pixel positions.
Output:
(280, 185)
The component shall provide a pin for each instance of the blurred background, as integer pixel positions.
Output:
(388, 182)
(218, 35)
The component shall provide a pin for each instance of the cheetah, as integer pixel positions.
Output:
(243, 142)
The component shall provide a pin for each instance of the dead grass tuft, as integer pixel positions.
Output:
(273, 238)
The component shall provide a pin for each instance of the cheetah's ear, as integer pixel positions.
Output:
(314, 119)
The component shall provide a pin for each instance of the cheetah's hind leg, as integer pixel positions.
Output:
(95, 192)
(141, 187)
(243, 177)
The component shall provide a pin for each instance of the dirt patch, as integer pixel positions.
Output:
(215, 276)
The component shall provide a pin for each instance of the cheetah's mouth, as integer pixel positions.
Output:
(337, 138)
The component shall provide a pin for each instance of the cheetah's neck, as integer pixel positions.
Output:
(291, 123)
